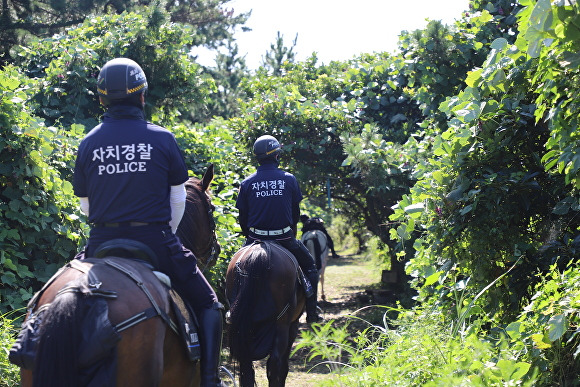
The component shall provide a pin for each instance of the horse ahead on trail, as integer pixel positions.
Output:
(317, 243)
(266, 300)
(112, 319)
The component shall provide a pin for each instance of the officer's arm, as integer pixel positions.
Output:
(85, 205)
(295, 218)
(243, 219)
(177, 197)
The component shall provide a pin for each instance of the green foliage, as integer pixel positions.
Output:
(23, 21)
(328, 342)
(417, 351)
(487, 191)
(460, 154)
(229, 72)
(68, 65)
(546, 332)
(41, 227)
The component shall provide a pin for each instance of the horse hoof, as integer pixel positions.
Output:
(314, 319)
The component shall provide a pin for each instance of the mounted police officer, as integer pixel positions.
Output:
(268, 204)
(130, 176)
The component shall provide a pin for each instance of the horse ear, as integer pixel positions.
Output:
(207, 178)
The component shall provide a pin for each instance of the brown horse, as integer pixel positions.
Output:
(266, 301)
(143, 340)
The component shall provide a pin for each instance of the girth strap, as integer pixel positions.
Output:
(131, 321)
(148, 313)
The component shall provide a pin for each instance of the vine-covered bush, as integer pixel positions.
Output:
(68, 65)
(495, 190)
(546, 332)
(41, 227)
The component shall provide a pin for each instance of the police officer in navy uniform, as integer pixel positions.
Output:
(130, 176)
(268, 204)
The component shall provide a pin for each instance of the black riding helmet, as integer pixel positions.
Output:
(121, 79)
(266, 147)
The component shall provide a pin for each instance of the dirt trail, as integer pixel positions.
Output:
(346, 280)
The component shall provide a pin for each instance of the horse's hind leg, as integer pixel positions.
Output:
(322, 295)
(277, 366)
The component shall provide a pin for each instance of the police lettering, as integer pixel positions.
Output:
(129, 152)
(135, 166)
(272, 192)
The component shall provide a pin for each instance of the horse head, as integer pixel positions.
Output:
(197, 230)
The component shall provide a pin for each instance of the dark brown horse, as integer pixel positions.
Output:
(266, 301)
(144, 341)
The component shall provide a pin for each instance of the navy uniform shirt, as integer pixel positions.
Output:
(269, 199)
(125, 166)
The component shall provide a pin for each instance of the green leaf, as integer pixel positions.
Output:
(489, 106)
(541, 17)
(499, 44)
(557, 328)
(564, 206)
(466, 209)
(8, 82)
(67, 187)
(433, 278)
(538, 339)
(473, 78)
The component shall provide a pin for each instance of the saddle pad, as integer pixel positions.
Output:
(187, 325)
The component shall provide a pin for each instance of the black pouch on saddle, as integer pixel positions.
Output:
(187, 325)
(98, 339)
(23, 351)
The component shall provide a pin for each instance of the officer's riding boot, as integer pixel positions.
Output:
(311, 304)
(210, 337)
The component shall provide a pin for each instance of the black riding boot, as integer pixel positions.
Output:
(210, 337)
(311, 304)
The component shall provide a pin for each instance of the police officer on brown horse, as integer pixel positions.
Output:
(130, 176)
(268, 204)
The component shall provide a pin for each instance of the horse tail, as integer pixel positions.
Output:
(249, 276)
(57, 357)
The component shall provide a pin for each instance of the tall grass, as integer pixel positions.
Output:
(9, 373)
(421, 350)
